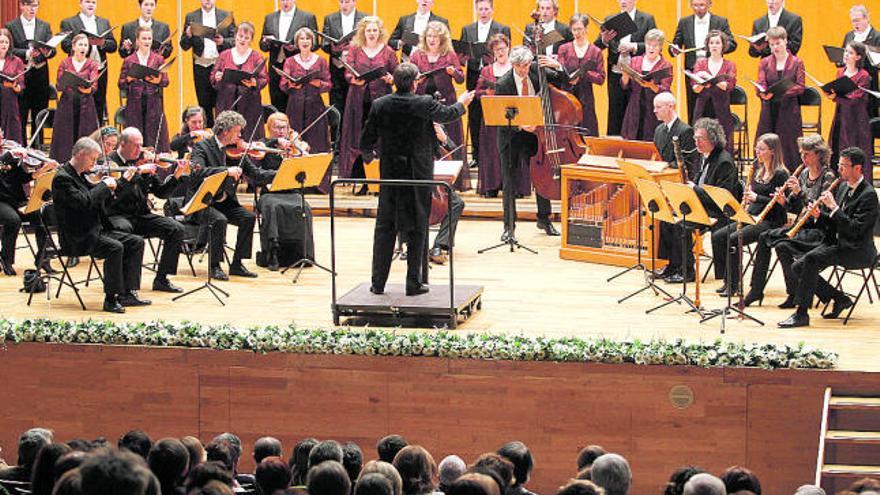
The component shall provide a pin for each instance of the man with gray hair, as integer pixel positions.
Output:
(80, 208)
(704, 484)
(29, 444)
(611, 472)
(864, 32)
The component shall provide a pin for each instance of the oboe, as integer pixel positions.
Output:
(807, 214)
(778, 194)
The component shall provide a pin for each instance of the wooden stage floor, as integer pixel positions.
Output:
(524, 293)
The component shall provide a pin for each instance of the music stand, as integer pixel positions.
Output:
(304, 171)
(511, 111)
(42, 186)
(632, 172)
(687, 206)
(734, 211)
(371, 171)
(202, 199)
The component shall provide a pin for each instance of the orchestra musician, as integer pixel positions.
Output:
(547, 12)
(692, 32)
(639, 121)
(144, 105)
(26, 30)
(847, 220)
(435, 53)
(368, 51)
(191, 130)
(413, 23)
(776, 16)
(622, 50)
(284, 223)
(339, 24)
(400, 128)
(76, 115)
(161, 41)
(88, 21)
(770, 174)
(797, 192)
(129, 209)
(206, 51)
(10, 91)
(781, 115)
(108, 138)
(282, 26)
(851, 125)
(83, 227)
(862, 32)
(582, 55)
(304, 102)
(449, 223)
(243, 97)
(713, 99)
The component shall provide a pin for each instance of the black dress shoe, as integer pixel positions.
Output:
(415, 291)
(217, 273)
(665, 272)
(788, 303)
(437, 256)
(132, 299)
(376, 291)
(9, 270)
(548, 228)
(272, 262)
(491, 194)
(165, 285)
(506, 235)
(48, 268)
(678, 278)
(752, 297)
(795, 320)
(72, 261)
(111, 305)
(722, 290)
(732, 291)
(239, 270)
(840, 305)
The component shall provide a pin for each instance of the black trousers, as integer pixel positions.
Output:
(806, 270)
(691, 99)
(10, 220)
(749, 234)
(219, 216)
(123, 255)
(151, 225)
(617, 101)
(475, 122)
(34, 98)
(513, 159)
(101, 98)
(276, 95)
(414, 230)
(450, 222)
(671, 238)
(205, 92)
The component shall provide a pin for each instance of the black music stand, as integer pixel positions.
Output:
(511, 111)
(203, 198)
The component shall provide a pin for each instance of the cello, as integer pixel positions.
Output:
(558, 141)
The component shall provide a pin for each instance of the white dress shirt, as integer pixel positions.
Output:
(701, 29)
(861, 37)
(347, 21)
(285, 19)
(90, 24)
(519, 80)
(774, 18)
(421, 22)
(143, 23)
(29, 28)
(210, 53)
(483, 31)
(628, 38)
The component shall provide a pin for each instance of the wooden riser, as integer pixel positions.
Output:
(854, 404)
(853, 437)
(849, 471)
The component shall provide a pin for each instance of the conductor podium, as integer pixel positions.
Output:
(600, 207)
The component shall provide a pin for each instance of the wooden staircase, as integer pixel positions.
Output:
(849, 441)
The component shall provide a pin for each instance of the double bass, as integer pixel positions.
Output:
(558, 141)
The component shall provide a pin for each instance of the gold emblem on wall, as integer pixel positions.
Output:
(681, 396)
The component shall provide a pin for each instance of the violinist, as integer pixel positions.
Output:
(108, 138)
(489, 177)
(639, 121)
(144, 106)
(285, 224)
(243, 97)
(437, 254)
(192, 130)
(14, 175)
(129, 210)
(209, 157)
(851, 125)
(10, 91)
(581, 55)
(160, 43)
(76, 115)
(516, 147)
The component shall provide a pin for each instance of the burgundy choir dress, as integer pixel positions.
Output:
(639, 121)
(489, 181)
(305, 104)
(358, 101)
(782, 115)
(712, 102)
(851, 126)
(144, 107)
(250, 105)
(10, 120)
(592, 67)
(76, 115)
(442, 82)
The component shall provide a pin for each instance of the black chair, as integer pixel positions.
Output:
(119, 118)
(742, 147)
(868, 277)
(267, 111)
(47, 114)
(811, 98)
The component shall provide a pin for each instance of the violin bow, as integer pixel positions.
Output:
(318, 118)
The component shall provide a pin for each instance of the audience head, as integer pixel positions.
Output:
(208, 471)
(352, 460)
(136, 441)
(271, 475)
(115, 471)
(738, 478)
(611, 472)
(450, 468)
(196, 451)
(521, 457)
(326, 450)
(328, 478)
(704, 484)
(389, 446)
(417, 469)
(299, 460)
(68, 462)
(581, 487)
(498, 468)
(69, 484)
(405, 76)
(709, 135)
(865, 485)
(675, 485)
(169, 460)
(585, 474)
(388, 471)
(212, 488)
(373, 484)
(809, 490)
(474, 484)
(267, 447)
(589, 453)
(29, 444)
(43, 473)
(221, 452)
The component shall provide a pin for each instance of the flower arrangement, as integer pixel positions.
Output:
(444, 344)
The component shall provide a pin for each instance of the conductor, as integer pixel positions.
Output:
(400, 127)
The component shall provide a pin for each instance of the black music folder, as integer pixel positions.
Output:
(841, 86)
(622, 23)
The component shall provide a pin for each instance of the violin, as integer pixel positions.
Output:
(98, 173)
(31, 159)
(200, 134)
(254, 150)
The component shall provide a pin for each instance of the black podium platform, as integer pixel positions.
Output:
(395, 307)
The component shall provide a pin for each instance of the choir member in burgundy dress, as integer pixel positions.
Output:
(245, 97)
(304, 102)
(144, 107)
(435, 54)
(581, 55)
(10, 66)
(851, 126)
(781, 115)
(713, 100)
(75, 116)
(639, 121)
(368, 51)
